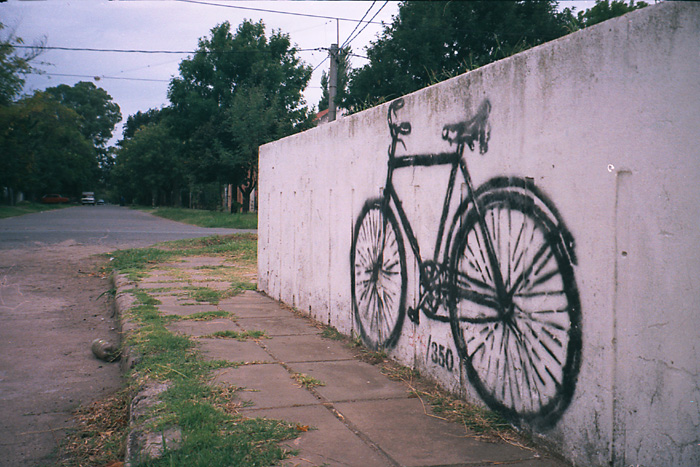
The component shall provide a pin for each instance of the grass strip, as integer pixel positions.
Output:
(204, 316)
(27, 207)
(240, 336)
(212, 434)
(241, 249)
(206, 218)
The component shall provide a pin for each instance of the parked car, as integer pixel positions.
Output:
(53, 199)
(100, 202)
(88, 198)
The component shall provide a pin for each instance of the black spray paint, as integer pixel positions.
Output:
(505, 274)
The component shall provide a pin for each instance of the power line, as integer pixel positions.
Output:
(98, 78)
(291, 13)
(357, 25)
(144, 51)
(347, 42)
(317, 66)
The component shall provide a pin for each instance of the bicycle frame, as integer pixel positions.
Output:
(457, 161)
(519, 339)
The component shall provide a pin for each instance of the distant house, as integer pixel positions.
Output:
(321, 117)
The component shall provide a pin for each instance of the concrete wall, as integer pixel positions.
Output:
(604, 125)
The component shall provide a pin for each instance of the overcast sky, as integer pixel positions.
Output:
(139, 81)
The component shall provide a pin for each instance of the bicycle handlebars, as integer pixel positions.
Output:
(468, 132)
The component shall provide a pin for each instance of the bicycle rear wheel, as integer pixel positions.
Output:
(378, 276)
(521, 346)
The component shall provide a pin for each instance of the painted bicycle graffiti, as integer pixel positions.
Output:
(503, 266)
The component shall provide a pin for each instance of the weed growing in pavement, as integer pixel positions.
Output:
(306, 380)
(329, 332)
(205, 294)
(238, 335)
(442, 404)
(240, 248)
(204, 316)
(213, 432)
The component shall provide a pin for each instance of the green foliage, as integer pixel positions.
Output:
(13, 67)
(52, 141)
(307, 381)
(342, 83)
(238, 91)
(206, 315)
(149, 169)
(238, 335)
(26, 207)
(213, 433)
(138, 258)
(604, 10)
(141, 119)
(98, 113)
(431, 41)
(205, 218)
(42, 149)
(428, 42)
(329, 332)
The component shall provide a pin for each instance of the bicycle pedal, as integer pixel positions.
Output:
(413, 315)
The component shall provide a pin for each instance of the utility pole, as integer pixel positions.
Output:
(333, 82)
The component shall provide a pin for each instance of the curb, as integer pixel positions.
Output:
(141, 443)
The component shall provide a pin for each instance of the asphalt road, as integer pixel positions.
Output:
(52, 305)
(109, 226)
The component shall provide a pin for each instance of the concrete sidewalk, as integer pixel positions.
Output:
(359, 417)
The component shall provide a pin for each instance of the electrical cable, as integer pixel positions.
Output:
(143, 51)
(97, 78)
(238, 7)
(347, 42)
(322, 62)
(358, 24)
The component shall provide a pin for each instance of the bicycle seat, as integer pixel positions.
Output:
(470, 131)
(403, 128)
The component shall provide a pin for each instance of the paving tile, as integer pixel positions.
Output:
(403, 430)
(266, 386)
(328, 441)
(306, 348)
(202, 328)
(279, 326)
(351, 380)
(233, 350)
(253, 310)
(157, 285)
(185, 310)
(214, 285)
(249, 297)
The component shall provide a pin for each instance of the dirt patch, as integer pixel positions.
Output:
(53, 303)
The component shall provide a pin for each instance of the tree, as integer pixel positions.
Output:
(149, 168)
(254, 120)
(42, 149)
(604, 10)
(431, 41)
(141, 119)
(98, 113)
(227, 70)
(13, 67)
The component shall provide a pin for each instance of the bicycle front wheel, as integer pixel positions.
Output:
(519, 340)
(378, 275)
